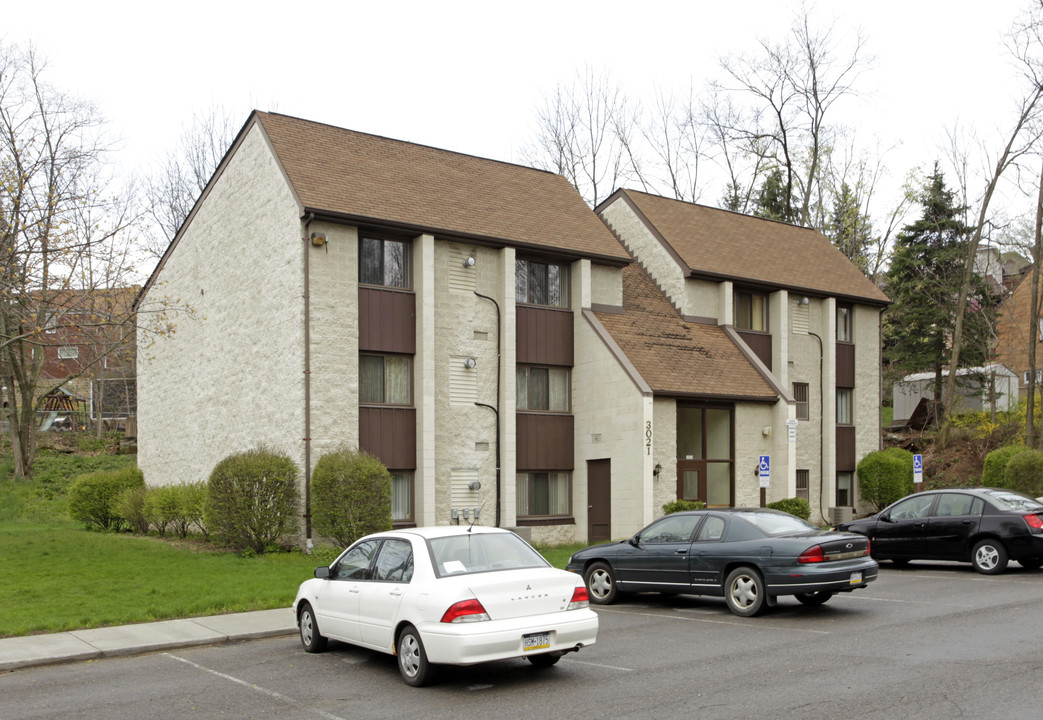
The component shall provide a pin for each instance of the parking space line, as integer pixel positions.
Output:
(252, 686)
(607, 667)
(747, 624)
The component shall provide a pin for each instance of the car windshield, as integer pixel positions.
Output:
(776, 523)
(1013, 501)
(482, 552)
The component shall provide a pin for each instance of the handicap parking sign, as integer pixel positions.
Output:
(765, 470)
(917, 469)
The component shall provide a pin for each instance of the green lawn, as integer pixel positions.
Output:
(55, 575)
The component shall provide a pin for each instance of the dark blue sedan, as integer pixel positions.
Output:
(750, 556)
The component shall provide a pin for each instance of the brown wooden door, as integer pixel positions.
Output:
(599, 501)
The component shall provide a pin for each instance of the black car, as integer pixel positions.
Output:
(748, 555)
(983, 526)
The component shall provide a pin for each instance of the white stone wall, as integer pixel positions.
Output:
(606, 285)
(867, 387)
(230, 375)
(750, 444)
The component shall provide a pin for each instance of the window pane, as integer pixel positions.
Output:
(522, 388)
(719, 484)
(558, 492)
(558, 390)
(843, 406)
(690, 486)
(689, 434)
(538, 283)
(800, 395)
(844, 489)
(355, 563)
(843, 324)
(521, 281)
(743, 311)
(395, 562)
(371, 379)
(554, 293)
(397, 380)
(758, 313)
(538, 389)
(539, 494)
(371, 264)
(401, 496)
(396, 264)
(718, 435)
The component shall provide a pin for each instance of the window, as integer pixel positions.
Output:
(384, 262)
(751, 311)
(1025, 376)
(544, 494)
(671, 529)
(844, 313)
(401, 496)
(843, 406)
(844, 482)
(803, 477)
(395, 562)
(385, 379)
(68, 353)
(538, 283)
(800, 394)
(957, 504)
(543, 389)
(354, 564)
(712, 530)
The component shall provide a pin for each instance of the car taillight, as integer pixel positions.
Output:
(813, 554)
(1035, 522)
(816, 554)
(580, 599)
(465, 611)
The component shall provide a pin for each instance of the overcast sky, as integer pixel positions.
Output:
(468, 76)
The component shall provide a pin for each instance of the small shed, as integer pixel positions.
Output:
(992, 388)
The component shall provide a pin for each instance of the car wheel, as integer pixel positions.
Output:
(543, 660)
(601, 583)
(744, 591)
(989, 557)
(1031, 563)
(412, 658)
(311, 638)
(814, 598)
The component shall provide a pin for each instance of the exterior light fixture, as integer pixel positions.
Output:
(318, 239)
(804, 300)
(474, 485)
(469, 262)
(469, 363)
(656, 470)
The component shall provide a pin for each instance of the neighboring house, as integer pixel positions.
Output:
(992, 388)
(90, 350)
(801, 312)
(1013, 324)
(473, 324)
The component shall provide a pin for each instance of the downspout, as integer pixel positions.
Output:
(821, 427)
(496, 409)
(307, 385)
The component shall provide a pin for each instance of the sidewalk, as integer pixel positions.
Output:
(32, 650)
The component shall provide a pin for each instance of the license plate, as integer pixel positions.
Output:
(856, 578)
(536, 641)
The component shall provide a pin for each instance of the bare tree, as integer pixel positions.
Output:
(63, 238)
(585, 132)
(1025, 45)
(173, 192)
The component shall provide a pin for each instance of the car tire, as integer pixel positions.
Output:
(1031, 563)
(543, 660)
(601, 583)
(814, 599)
(744, 591)
(312, 640)
(412, 658)
(989, 557)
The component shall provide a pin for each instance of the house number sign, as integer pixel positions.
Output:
(648, 437)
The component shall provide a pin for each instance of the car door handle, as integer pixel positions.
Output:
(395, 593)
(681, 551)
(353, 589)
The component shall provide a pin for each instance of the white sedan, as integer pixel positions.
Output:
(446, 595)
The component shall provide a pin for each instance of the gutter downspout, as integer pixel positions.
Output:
(495, 410)
(307, 385)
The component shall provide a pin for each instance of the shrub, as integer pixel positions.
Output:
(682, 505)
(93, 498)
(993, 474)
(193, 507)
(794, 506)
(350, 496)
(130, 505)
(252, 499)
(161, 507)
(1024, 473)
(885, 476)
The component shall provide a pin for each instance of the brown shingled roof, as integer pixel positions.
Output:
(719, 243)
(360, 176)
(676, 357)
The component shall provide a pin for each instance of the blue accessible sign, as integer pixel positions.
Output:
(765, 471)
(917, 469)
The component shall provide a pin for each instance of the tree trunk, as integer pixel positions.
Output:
(1034, 314)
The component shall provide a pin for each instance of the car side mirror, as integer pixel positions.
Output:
(635, 540)
(323, 573)
(886, 517)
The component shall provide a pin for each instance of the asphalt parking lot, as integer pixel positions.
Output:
(925, 641)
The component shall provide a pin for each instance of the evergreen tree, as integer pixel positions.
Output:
(849, 228)
(924, 283)
(773, 200)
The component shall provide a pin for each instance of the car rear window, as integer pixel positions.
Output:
(776, 523)
(1014, 501)
(482, 552)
